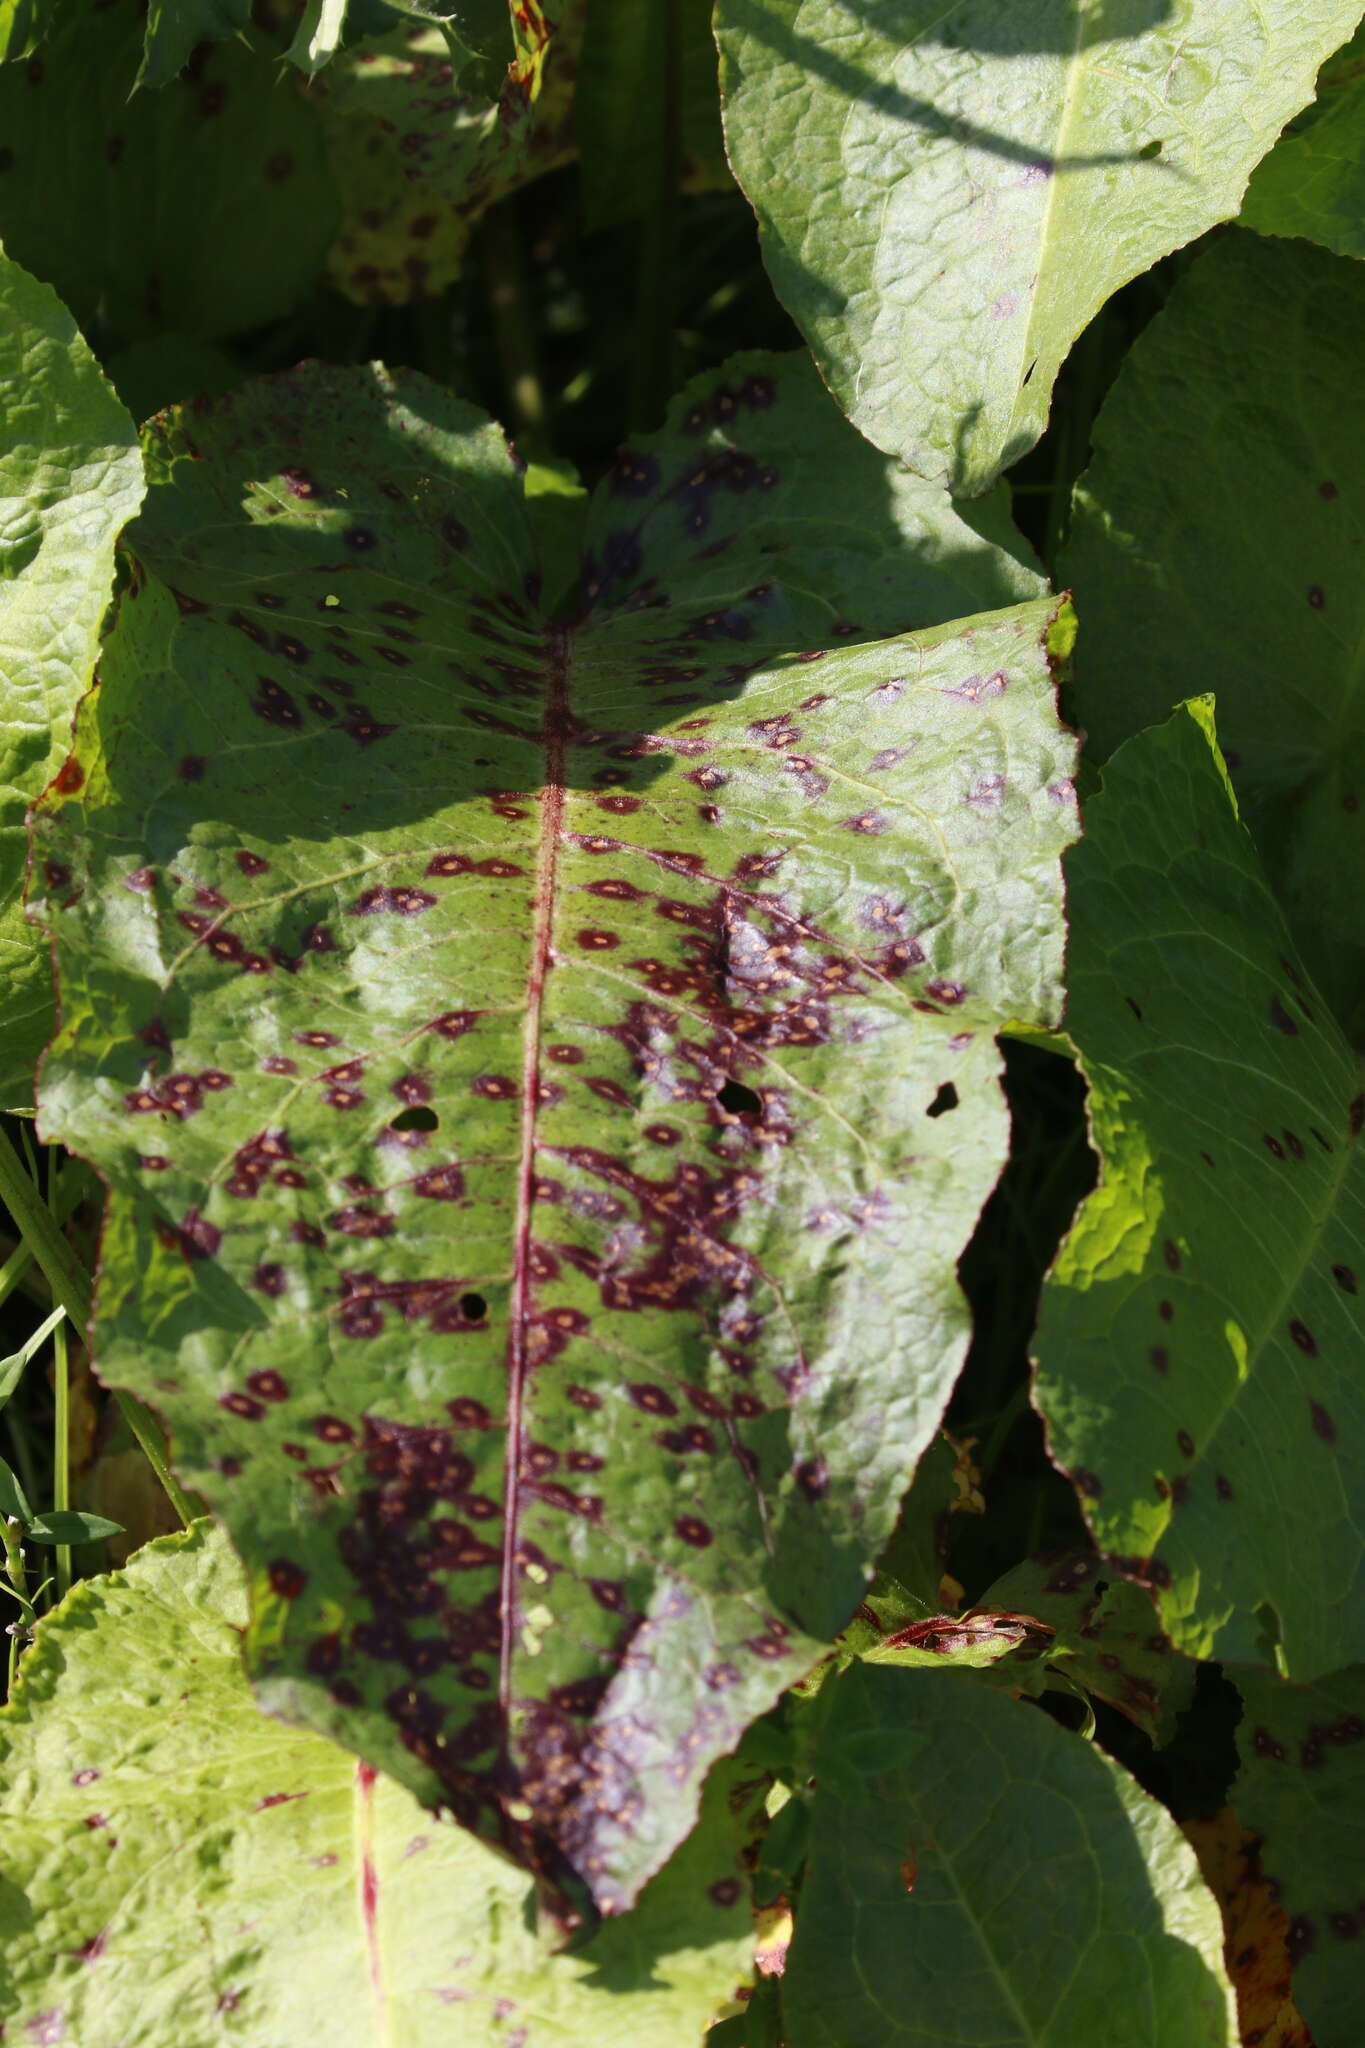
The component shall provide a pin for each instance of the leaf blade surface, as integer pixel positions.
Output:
(948, 195)
(510, 1050)
(1195, 1351)
(320, 1893)
(71, 476)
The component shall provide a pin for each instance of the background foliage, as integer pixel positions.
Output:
(681, 1035)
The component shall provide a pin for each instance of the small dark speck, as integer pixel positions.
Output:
(1322, 1422)
(1327, 489)
(1316, 597)
(1304, 1338)
(1281, 1018)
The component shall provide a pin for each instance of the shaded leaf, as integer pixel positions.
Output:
(70, 1528)
(1255, 1931)
(87, 204)
(1313, 181)
(461, 1009)
(418, 160)
(1301, 1790)
(70, 476)
(13, 1500)
(979, 1875)
(946, 1483)
(12, 1369)
(1200, 1336)
(1106, 1639)
(1217, 537)
(239, 1876)
(948, 194)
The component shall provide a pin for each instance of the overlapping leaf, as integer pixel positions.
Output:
(419, 152)
(948, 194)
(978, 1876)
(1102, 1637)
(145, 209)
(511, 1050)
(1217, 544)
(70, 476)
(1302, 1791)
(1313, 181)
(1201, 1332)
(323, 1896)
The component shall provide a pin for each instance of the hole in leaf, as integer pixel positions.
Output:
(739, 1100)
(419, 1118)
(474, 1306)
(945, 1100)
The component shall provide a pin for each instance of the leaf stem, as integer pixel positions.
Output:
(38, 1228)
(61, 1399)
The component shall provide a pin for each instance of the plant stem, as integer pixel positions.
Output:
(651, 383)
(61, 1398)
(38, 1228)
(14, 1569)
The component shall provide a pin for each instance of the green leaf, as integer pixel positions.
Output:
(1313, 182)
(417, 161)
(175, 29)
(70, 475)
(71, 1528)
(13, 1499)
(1217, 542)
(462, 1008)
(977, 1875)
(12, 1369)
(1200, 1337)
(1301, 1791)
(145, 209)
(626, 103)
(226, 1875)
(1106, 1639)
(949, 194)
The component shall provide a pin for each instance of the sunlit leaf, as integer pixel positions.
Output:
(949, 193)
(511, 1048)
(1217, 545)
(322, 1899)
(1201, 1330)
(70, 476)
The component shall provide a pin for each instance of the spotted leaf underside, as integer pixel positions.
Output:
(1200, 1342)
(326, 1889)
(511, 1049)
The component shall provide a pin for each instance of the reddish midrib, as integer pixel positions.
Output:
(554, 737)
(365, 1775)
